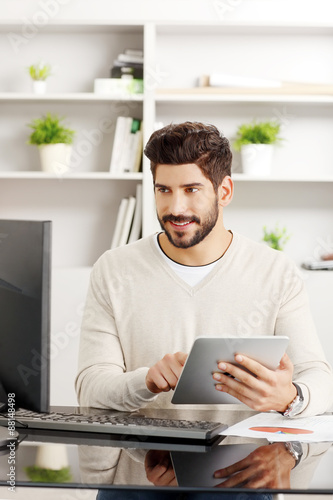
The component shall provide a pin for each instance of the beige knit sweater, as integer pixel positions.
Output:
(138, 310)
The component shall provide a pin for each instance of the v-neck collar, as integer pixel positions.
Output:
(192, 290)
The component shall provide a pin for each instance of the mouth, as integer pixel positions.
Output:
(181, 225)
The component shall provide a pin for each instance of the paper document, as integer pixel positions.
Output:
(275, 427)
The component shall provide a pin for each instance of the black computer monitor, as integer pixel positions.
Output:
(25, 275)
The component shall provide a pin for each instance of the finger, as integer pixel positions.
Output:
(235, 376)
(256, 369)
(162, 377)
(237, 479)
(237, 390)
(172, 366)
(163, 477)
(232, 469)
(162, 380)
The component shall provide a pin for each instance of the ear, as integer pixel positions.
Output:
(226, 191)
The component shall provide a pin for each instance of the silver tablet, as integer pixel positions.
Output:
(196, 384)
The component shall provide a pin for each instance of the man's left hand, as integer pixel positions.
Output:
(262, 389)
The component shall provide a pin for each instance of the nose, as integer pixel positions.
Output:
(178, 204)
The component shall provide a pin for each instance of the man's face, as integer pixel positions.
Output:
(186, 203)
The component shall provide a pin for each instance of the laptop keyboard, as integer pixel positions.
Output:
(119, 424)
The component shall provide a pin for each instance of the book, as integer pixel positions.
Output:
(137, 152)
(134, 52)
(136, 228)
(119, 222)
(131, 145)
(130, 58)
(127, 222)
(123, 129)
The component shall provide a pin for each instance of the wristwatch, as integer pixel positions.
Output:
(296, 405)
(295, 449)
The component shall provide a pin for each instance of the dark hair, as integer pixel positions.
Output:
(191, 142)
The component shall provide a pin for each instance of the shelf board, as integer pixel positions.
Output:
(78, 26)
(137, 176)
(38, 175)
(307, 94)
(275, 178)
(242, 27)
(70, 96)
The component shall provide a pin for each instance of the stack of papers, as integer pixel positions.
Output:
(275, 427)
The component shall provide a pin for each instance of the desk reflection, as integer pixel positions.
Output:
(231, 464)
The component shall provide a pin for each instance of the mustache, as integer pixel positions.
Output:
(180, 218)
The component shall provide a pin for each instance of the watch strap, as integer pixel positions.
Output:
(296, 405)
(295, 449)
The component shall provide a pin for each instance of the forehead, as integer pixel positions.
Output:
(179, 174)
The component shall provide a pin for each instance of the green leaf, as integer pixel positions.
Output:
(257, 133)
(39, 475)
(39, 71)
(277, 238)
(48, 130)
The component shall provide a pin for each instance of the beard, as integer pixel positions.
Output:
(204, 228)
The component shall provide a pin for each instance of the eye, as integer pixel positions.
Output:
(162, 190)
(191, 190)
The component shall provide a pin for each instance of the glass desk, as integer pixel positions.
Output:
(106, 467)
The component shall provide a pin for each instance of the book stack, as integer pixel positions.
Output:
(129, 220)
(127, 145)
(129, 64)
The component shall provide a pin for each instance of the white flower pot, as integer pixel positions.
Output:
(55, 158)
(39, 86)
(51, 456)
(257, 159)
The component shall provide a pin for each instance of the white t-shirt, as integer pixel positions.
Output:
(192, 275)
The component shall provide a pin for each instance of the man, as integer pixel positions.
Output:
(149, 300)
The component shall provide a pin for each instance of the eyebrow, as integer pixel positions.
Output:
(190, 184)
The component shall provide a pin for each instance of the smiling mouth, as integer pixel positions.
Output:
(181, 224)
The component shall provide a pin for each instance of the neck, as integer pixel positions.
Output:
(208, 250)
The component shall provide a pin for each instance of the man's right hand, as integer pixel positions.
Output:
(164, 375)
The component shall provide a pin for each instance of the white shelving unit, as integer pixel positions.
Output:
(176, 54)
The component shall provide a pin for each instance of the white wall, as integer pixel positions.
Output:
(69, 288)
(257, 11)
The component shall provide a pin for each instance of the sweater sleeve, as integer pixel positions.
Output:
(311, 369)
(102, 380)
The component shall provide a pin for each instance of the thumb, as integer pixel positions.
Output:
(285, 363)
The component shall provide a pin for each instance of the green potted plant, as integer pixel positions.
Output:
(51, 465)
(39, 73)
(277, 238)
(255, 142)
(54, 142)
